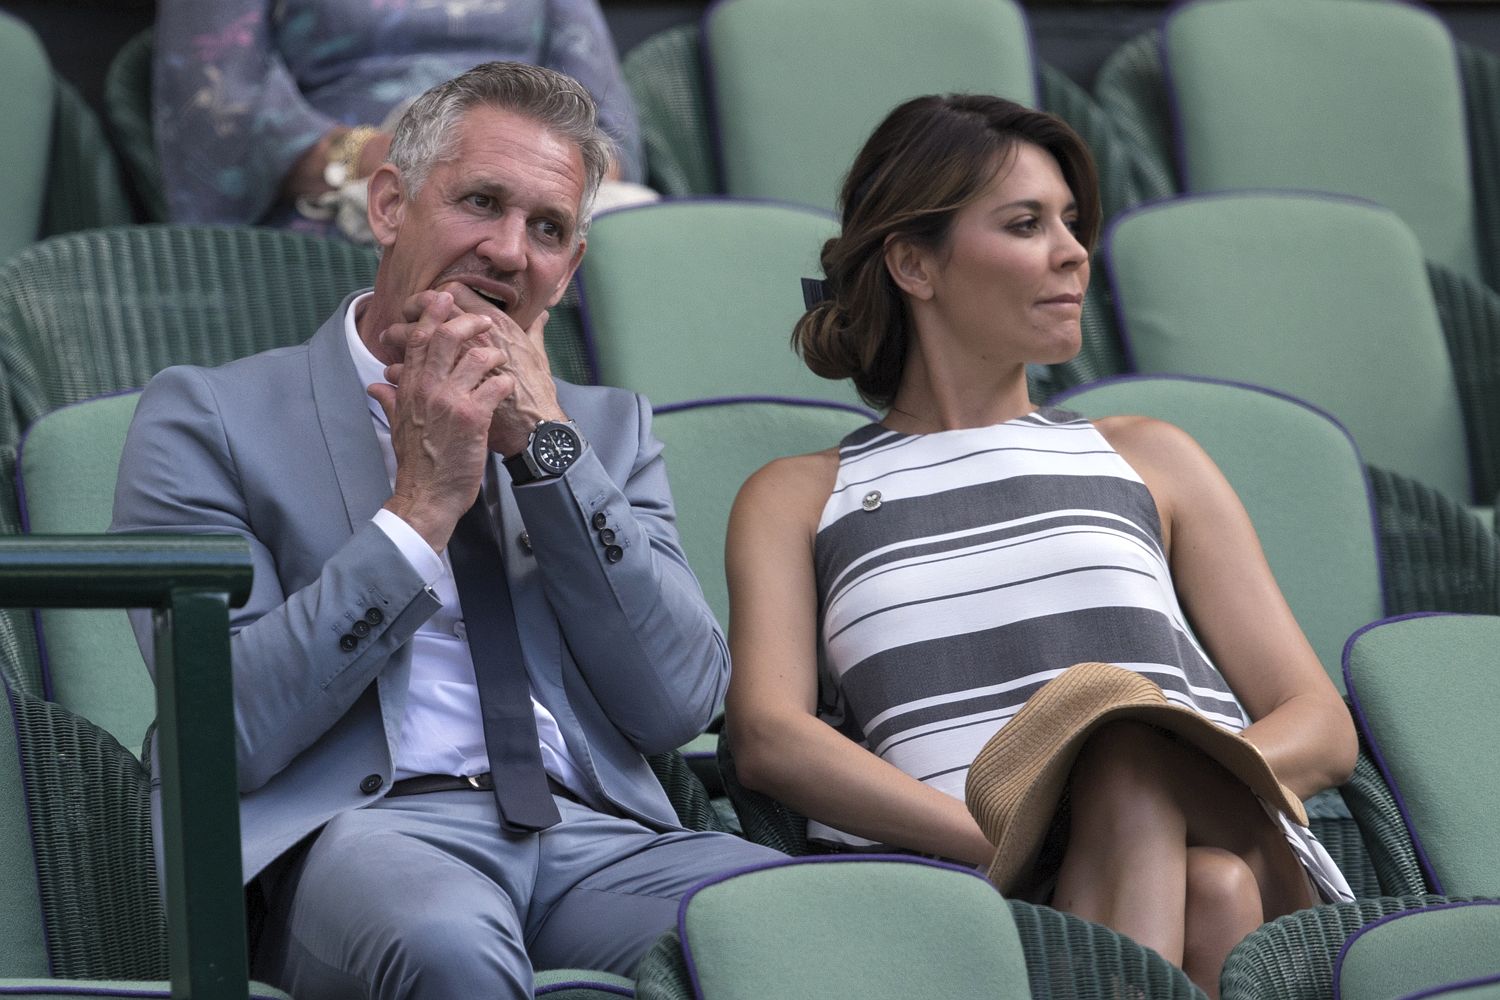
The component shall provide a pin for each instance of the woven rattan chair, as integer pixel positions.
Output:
(1293, 958)
(887, 927)
(79, 889)
(101, 311)
(60, 174)
(127, 110)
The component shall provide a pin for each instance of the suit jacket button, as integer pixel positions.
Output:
(600, 520)
(607, 536)
(347, 642)
(614, 553)
(524, 540)
(360, 628)
(374, 616)
(370, 784)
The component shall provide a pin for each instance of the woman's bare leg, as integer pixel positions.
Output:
(1223, 905)
(1141, 802)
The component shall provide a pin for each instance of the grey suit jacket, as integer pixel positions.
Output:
(280, 448)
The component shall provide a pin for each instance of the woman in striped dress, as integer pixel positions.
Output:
(896, 598)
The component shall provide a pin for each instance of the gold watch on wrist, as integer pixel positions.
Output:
(344, 153)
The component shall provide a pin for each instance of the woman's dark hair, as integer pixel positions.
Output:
(927, 160)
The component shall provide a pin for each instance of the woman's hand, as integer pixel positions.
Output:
(308, 176)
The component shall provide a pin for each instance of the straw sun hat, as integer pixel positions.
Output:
(1015, 783)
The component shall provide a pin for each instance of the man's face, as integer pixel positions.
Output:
(499, 214)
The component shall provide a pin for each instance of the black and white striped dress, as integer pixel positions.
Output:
(960, 571)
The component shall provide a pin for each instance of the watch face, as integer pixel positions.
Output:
(555, 448)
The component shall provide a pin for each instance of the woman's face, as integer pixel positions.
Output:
(1008, 284)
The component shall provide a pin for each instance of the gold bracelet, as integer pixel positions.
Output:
(344, 154)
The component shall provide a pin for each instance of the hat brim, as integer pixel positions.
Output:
(1016, 782)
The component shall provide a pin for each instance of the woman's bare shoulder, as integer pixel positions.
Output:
(1152, 443)
(797, 485)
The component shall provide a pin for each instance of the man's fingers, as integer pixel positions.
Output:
(479, 362)
(438, 304)
(438, 348)
(494, 390)
(385, 395)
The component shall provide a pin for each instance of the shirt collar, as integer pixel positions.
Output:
(366, 365)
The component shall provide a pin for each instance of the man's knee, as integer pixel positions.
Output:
(451, 955)
(393, 916)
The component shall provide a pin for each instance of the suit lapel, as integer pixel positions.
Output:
(344, 416)
(359, 465)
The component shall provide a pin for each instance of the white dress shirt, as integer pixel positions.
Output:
(442, 730)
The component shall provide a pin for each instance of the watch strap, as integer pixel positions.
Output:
(520, 469)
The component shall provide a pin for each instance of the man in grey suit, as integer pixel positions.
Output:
(405, 844)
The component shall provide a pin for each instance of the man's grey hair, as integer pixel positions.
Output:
(425, 134)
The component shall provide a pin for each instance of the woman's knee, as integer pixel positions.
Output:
(1221, 885)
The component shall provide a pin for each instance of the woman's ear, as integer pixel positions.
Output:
(387, 203)
(910, 267)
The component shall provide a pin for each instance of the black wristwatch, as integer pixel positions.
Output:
(554, 445)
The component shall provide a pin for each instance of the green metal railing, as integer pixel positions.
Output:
(190, 583)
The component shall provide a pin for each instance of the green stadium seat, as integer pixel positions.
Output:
(1323, 298)
(714, 445)
(1422, 688)
(695, 298)
(1423, 694)
(1436, 951)
(667, 77)
(26, 118)
(1350, 96)
(1294, 957)
(1303, 484)
(1327, 298)
(65, 481)
(1371, 99)
(885, 927)
(101, 311)
(796, 88)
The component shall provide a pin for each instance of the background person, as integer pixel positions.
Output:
(895, 599)
(256, 100)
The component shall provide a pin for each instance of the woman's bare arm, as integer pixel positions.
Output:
(1228, 593)
(781, 747)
